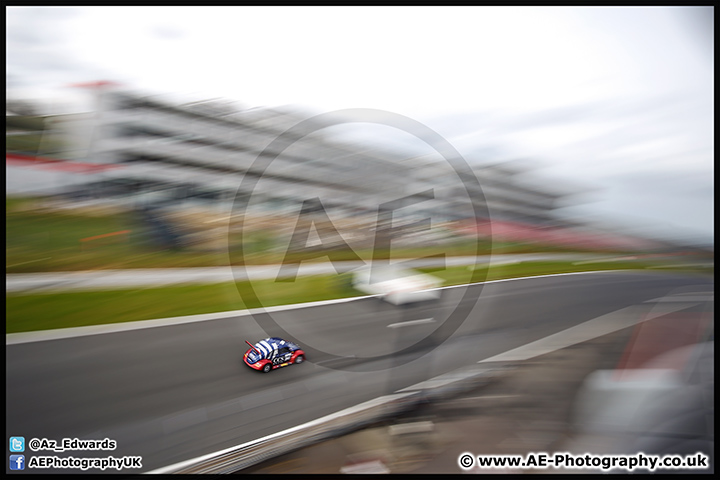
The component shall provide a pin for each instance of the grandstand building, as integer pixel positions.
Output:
(207, 153)
(151, 155)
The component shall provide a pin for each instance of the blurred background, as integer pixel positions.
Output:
(574, 120)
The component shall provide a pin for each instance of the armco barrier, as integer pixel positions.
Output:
(243, 456)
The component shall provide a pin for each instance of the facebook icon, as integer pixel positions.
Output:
(17, 462)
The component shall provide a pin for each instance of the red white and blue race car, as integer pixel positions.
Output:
(272, 353)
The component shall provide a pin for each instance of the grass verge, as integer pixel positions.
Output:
(43, 311)
(40, 240)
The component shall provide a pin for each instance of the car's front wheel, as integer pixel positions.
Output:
(267, 367)
(299, 359)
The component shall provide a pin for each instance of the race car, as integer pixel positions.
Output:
(272, 353)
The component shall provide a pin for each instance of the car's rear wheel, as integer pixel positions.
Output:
(299, 359)
(266, 368)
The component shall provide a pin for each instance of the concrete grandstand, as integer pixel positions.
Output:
(166, 160)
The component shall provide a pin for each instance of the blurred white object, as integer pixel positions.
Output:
(610, 399)
(658, 410)
(397, 285)
(375, 466)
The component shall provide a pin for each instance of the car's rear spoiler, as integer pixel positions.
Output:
(253, 347)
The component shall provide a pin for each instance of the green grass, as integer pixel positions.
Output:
(37, 241)
(34, 143)
(25, 313)
(459, 275)
(33, 312)
(41, 241)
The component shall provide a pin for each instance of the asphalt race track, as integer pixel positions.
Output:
(176, 392)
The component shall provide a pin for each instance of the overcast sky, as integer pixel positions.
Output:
(614, 102)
